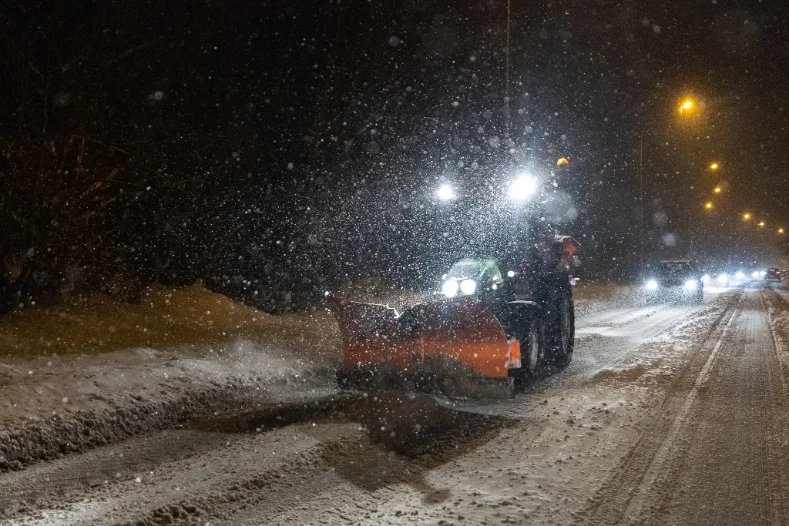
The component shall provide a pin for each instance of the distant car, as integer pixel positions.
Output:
(675, 280)
(773, 274)
(716, 279)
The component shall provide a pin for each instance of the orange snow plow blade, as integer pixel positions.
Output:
(455, 346)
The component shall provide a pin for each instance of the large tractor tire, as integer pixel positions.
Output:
(560, 326)
(533, 348)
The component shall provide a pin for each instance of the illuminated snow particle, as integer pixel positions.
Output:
(669, 240)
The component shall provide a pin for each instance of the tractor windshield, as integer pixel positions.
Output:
(480, 270)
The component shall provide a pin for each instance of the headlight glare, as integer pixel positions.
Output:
(691, 284)
(522, 188)
(468, 286)
(652, 284)
(450, 288)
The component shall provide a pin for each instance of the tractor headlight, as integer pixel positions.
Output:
(652, 284)
(691, 284)
(468, 286)
(450, 288)
(522, 188)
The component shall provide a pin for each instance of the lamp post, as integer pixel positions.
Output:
(686, 107)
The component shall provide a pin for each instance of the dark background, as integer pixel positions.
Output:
(279, 148)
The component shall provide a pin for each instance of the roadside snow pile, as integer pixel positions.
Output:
(594, 297)
(75, 377)
(778, 310)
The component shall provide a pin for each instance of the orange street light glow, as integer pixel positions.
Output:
(708, 205)
(714, 166)
(563, 162)
(761, 223)
(746, 216)
(780, 230)
(687, 105)
(717, 189)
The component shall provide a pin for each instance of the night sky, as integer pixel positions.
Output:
(292, 144)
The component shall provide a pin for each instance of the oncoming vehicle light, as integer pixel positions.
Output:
(450, 288)
(511, 274)
(763, 273)
(691, 284)
(468, 286)
(705, 278)
(723, 279)
(652, 284)
(739, 275)
(755, 274)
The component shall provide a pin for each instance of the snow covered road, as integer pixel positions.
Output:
(668, 414)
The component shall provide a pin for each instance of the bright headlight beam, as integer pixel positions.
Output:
(468, 286)
(445, 192)
(691, 284)
(652, 284)
(450, 288)
(522, 188)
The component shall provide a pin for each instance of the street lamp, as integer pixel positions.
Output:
(714, 166)
(761, 224)
(717, 189)
(686, 106)
(708, 205)
(746, 216)
(780, 230)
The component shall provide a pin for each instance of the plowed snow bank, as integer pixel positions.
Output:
(77, 376)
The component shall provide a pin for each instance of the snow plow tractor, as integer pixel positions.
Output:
(488, 331)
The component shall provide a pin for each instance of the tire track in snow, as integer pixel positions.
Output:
(640, 467)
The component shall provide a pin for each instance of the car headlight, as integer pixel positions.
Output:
(468, 286)
(450, 288)
(762, 273)
(739, 275)
(723, 278)
(691, 284)
(652, 284)
(705, 278)
(755, 274)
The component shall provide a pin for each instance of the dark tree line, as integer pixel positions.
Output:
(277, 148)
